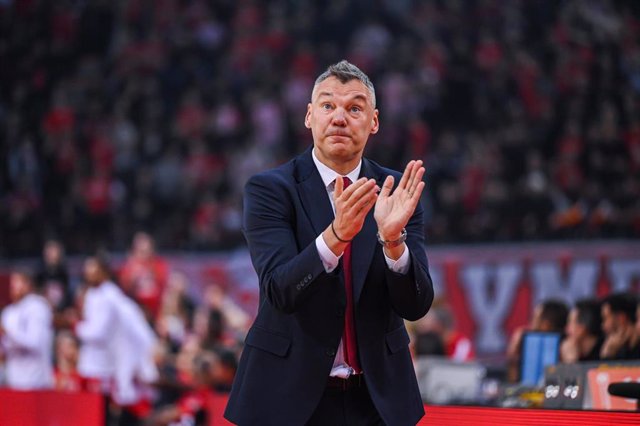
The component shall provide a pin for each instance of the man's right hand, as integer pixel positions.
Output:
(352, 205)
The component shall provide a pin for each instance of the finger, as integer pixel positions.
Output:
(387, 186)
(368, 186)
(415, 180)
(415, 196)
(367, 199)
(362, 208)
(405, 176)
(417, 165)
(348, 191)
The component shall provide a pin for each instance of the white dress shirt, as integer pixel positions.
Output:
(133, 346)
(28, 342)
(96, 332)
(330, 260)
(117, 343)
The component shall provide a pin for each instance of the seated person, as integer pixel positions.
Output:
(618, 323)
(549, 316)
(584, 333)
(440, 322)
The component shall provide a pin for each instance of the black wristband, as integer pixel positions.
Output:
(334, 233)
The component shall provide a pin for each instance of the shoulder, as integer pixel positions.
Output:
(282, 177)
(380, 172)
(35, 301)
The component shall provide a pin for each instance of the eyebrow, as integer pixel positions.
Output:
(356, 97)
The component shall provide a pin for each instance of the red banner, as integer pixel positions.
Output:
(49, 408)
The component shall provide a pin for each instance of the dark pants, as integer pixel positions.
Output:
(346, 407)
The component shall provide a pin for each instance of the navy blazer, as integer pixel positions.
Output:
(290, 349)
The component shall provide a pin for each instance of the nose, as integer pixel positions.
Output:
(339, 117)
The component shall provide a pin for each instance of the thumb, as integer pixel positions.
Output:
(387, 186)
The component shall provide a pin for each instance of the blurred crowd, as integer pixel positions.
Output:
(139, 114)
(156, 352)
(134, 334)
(591, 329)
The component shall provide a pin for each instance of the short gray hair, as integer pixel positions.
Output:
(345, 71)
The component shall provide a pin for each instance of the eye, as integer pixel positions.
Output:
(355, 108)
(326, 106)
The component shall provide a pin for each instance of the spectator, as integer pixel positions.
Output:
(26, 336)
(53, 281)
(236, 320)
(222, 369)
(144, 274)
(618, 323)
(67, 378)
(174, 320)
(117, 343)
(440, 322)
(178, 106)
(583, 333)
(549, 316)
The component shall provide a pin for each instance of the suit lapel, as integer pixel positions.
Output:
(312, 193)
(364, 244)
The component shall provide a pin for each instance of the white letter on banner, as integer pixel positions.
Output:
(549, 284)
(622, 273)
(490, 310)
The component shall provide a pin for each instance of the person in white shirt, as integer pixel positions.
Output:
(96, 329)
(26, 336)
(117, 342)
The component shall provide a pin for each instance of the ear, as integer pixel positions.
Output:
(307, 117)
(375, 122)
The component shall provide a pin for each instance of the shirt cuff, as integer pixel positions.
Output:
(400, 266)
(328, 258)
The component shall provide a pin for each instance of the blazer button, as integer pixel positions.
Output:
(339, 312)
(331, 352)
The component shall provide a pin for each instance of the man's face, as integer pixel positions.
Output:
(341, 118)
(92, 274)
(19, 286)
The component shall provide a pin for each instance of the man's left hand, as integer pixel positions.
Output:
(394, 209)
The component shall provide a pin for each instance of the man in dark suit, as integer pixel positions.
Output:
(338, 249)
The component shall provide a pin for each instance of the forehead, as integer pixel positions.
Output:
(334, 88)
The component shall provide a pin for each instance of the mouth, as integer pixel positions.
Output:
(339, 135)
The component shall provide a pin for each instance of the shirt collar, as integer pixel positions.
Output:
(329, 175)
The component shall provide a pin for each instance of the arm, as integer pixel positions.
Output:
(411, 294)
(98, 316)
(285, 271)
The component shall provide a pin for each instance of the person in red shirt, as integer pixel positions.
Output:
(440, 321)
(65, 374)
(144, 274)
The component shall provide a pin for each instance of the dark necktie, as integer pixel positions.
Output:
(349, 341)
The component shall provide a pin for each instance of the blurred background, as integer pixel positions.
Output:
(129, 127)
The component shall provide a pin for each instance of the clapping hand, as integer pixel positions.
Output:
(394, 207)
